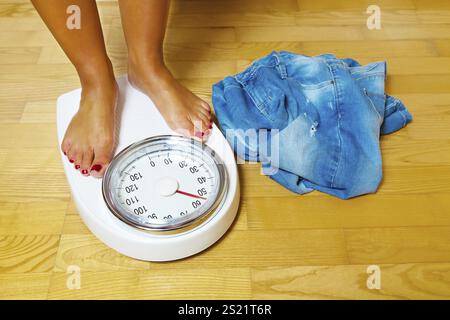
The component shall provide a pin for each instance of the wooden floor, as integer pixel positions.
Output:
(282, 245)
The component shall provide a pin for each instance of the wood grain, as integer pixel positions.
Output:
(402, 281)
(282, 245)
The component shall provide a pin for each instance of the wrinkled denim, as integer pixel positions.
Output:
(328, 112)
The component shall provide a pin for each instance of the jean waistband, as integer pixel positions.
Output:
(278, 60)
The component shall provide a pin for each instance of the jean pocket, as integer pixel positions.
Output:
(268, 93)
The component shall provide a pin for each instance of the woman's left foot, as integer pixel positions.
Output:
(183, 111)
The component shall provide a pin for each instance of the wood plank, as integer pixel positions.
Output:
(415, 65)
(87, 252)
(442, 47)
(297, 212)
(14, 56)
(24, 286)
(371, 49)
(14, 135)
(73, 224)
(401, 281)
(17, 10)
(345, 33)
(305, 17)
(435, 4)
(418, 84)
(299, 33)
(11, 111)
(253, 50)
(241, 249)
(39, 112)
(34, 38)
(407, 153)
(32, 217)
(27, 253)
(398, 245)
(199, 283)
(396, 180)
(439, 15)
(39, 177)
(424, 100)
(205, 6)
(355, 17)
(354, 4)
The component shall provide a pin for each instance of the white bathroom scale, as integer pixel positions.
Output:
(164, 196)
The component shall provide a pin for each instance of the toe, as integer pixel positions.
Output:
(65, 146)
(86, 163)
(72, 155)
(200, 125)
(98, 167)
(205, 121)
(102, 157)
(201, 132)
(205, 112)
(78, 159)
(205, 106)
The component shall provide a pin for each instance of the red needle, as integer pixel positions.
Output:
(190, 194)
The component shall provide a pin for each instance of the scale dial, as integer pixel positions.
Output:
(165, 183)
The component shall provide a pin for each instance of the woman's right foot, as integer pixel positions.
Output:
(90, 138)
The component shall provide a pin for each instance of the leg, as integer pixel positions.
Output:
(144, 24)
(89, 139)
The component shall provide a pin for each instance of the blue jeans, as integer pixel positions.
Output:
(326, 113)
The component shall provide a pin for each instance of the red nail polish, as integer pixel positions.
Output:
(77, 166)
(71, 161)
(84, 171)
(96, 167)
(210, 126)
(65, 153)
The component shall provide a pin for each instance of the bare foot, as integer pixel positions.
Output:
(183, 111)
(89, 139)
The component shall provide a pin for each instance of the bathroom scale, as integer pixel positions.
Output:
(164, 196)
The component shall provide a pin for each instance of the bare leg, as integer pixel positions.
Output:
(144, 25)
(89, 139)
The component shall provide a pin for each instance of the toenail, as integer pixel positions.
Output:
(96, 167)
(65, 153)
(77, 166)
(210, 126)
(84, 171)
(71, 161)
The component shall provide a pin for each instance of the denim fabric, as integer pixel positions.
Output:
(328, 112)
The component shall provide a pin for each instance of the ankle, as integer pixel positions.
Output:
(101, 92)
(98, 75)
(99, 87)
(149, 62)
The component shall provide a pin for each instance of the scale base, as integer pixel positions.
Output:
(139, 119)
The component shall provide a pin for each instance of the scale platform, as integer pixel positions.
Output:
(139, 119)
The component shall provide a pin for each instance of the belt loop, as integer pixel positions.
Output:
(281, 66)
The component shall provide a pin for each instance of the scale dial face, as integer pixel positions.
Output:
(165, 183)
